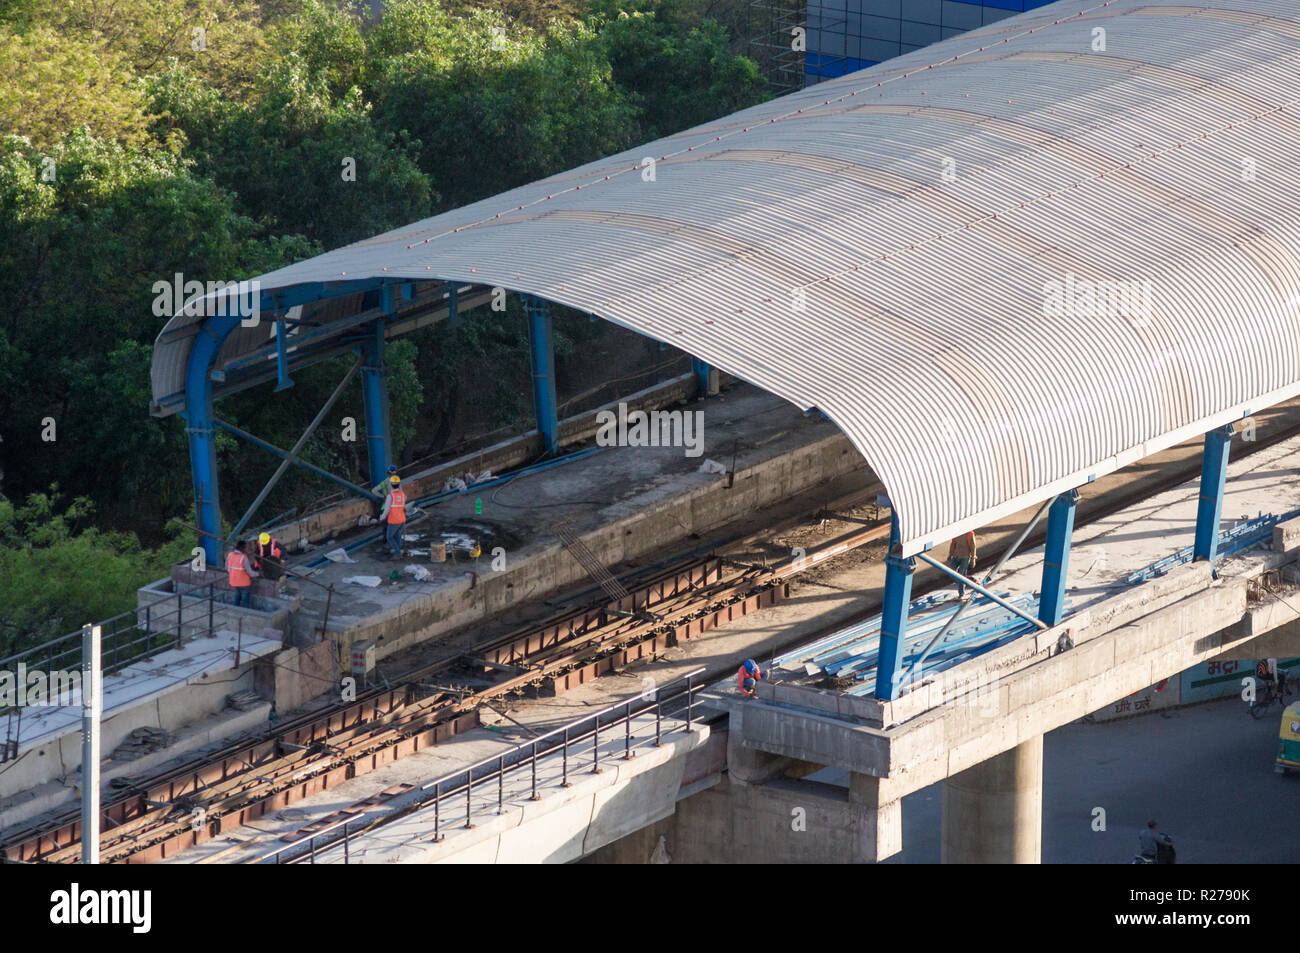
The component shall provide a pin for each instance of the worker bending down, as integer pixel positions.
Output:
(270, 557)
(393, 515)
(240, 573)
(748, 677)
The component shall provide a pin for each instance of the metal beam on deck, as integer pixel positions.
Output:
(1214, 476)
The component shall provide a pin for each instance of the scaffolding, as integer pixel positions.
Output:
(770, 39)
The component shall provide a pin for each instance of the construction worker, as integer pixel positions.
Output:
(961, 557)
(270, 557)
(385, 485)
(747, 678)
(393, 515)
(240, 573)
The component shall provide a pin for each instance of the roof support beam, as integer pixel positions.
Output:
(706, 378)
(542, 347)
(981, 590)
(199, 430)
(293, 453)
(374, 384)
(1214, 476)
(1056, 557)
(284, 455)
(893, 624)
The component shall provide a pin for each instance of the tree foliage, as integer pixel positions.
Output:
(221, 139)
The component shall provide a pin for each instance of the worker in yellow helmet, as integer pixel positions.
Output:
(393, 515)
(270, 557)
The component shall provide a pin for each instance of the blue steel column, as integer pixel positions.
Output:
(1056, 557)
(541, 346)
(893, 624)
(374, 386)
(1214, 474)
(201, 435)
(701, 370)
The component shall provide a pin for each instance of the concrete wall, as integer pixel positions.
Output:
(565, 823)
(295, 676)
(171, 711)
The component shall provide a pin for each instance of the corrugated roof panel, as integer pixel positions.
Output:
(927, 333)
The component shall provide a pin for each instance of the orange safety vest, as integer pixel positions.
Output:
(273, 550)
(397, 507)
(237, 566)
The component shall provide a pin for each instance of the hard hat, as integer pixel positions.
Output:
(394, 479)
(264, 539)
(751, 665)
(392, 469)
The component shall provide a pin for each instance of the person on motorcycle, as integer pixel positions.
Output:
(1151, 840)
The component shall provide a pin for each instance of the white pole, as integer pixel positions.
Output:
(91, 708)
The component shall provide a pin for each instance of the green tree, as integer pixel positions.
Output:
(475, 89)
(61, 572)
(83, 254)
(680, 76)
(301, 160)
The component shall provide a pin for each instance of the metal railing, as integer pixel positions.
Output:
(128, 635)
(578, 745)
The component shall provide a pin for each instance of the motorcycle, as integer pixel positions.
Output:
(1165, 854)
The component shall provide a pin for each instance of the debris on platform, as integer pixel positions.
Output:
(140, 742)
(366, 520)
(712, 466)
(455, 485)
(369, 581)
(339, 555)
(243, 701)
(419, 572)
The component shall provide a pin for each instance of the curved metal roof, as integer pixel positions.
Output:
(891, 246)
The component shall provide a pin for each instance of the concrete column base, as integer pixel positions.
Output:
(993, 812)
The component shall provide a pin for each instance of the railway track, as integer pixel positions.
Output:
(155, 818)
(158, 817)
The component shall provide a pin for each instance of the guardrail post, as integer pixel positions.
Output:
(501, 782)
(565, 782)
(469, 786)
(346, 856)
(180, 618)
(595, 747)
(534, 796)
(659, 721)
(212, 598)
(437, 798)
(312, 857)
(627, 734)
(690, 701)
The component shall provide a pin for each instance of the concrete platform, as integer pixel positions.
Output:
(175, 689)
(622, 502)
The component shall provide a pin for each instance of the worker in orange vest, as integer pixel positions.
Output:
(747, 678)
(270, 557)
(240, 573)
(393, 515)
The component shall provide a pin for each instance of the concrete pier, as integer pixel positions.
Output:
(993, 812)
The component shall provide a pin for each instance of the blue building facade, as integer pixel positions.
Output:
(849, 35)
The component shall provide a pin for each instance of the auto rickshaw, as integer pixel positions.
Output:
(1288, 741)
